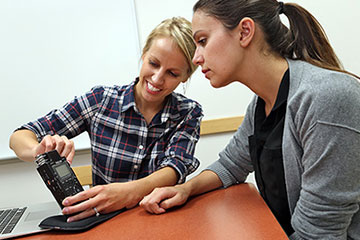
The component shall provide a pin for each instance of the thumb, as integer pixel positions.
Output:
(176, 200)
(39, 149)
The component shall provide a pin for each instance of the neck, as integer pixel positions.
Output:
(263, 76)
(147, 109)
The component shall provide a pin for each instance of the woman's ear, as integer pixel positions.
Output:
(246, 30)
(187, 76)
(185, 80)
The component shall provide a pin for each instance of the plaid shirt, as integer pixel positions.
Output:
(123, 146)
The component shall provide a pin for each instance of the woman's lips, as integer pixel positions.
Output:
(206, 72)
(152, 87)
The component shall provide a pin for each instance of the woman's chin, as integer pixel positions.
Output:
(216, 84)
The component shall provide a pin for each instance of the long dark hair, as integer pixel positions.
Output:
(304, 40)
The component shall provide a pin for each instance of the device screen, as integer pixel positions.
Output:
(62, 170)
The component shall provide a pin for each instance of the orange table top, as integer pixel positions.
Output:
(237, 212)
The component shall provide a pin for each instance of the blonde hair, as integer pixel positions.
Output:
(178, 29)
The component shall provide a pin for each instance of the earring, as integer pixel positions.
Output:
(184, 87)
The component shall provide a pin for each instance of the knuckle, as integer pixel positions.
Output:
(157, 190)
(49, 144)
(100, 188)
(164, 204)
(64, 137)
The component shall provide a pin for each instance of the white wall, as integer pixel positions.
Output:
(20, 183)
(51, 51)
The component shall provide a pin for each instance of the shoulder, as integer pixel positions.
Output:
(320, 82)
(182, 103)
(324, 86)
(110, 91)
(323, 94)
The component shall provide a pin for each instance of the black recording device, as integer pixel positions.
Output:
(58, 175)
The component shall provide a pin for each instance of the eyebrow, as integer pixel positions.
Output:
(194, 35)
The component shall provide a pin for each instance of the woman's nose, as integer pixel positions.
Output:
(158, 76)
(197, 59)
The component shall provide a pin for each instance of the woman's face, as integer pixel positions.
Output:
(217, 50)
(164, 68)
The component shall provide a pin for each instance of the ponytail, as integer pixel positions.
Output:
(308, 39)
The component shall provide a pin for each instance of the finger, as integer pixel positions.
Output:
(151, 203)
(87, 213)
(49, 143)
(151, 206)
(40, 149)
(145, 204)
(172, 202)
(90, 198)
(81, 196)
(80, 207)
(60, 144)
(69, 149)
(156, 209)
(46, 144)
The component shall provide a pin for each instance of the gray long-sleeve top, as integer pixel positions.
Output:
(321, 153)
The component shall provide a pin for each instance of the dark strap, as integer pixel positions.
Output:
(59, 222)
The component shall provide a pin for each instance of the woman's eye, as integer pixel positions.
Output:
(173, 74)
(202, 41)
(154, 64)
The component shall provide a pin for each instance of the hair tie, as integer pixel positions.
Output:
(281, 7)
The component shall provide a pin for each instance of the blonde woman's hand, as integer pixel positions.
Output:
(61, 144)
(104, 198)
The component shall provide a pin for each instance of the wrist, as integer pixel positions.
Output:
(140, 187)
(188, 188)
(27, 154)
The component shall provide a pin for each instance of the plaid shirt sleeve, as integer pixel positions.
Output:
(70, 120)
(180, 151)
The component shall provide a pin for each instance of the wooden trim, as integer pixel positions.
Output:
(84, 174)
(220, 125)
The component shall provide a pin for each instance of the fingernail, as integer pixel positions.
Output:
(65, 210)
(65, 202)
(69, 220)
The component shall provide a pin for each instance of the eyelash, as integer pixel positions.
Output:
(173, 74)
(154, 64)
(202, 41)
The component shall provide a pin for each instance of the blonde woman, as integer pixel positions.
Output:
(143, 135)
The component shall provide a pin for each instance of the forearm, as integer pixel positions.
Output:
(164, 177)
(204, 182)
(23, 143)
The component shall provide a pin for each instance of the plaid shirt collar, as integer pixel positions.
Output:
(171, 109)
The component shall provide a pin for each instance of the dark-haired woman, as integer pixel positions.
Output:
(301, 132)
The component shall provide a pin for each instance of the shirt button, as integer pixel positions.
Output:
(141, 147)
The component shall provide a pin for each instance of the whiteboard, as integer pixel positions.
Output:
(51, 51)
